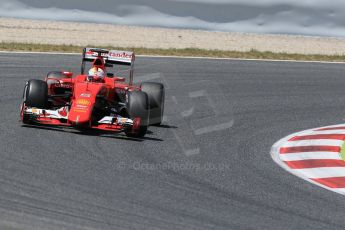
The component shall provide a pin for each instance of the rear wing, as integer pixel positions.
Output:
(117, 57)
(121, 57)
(90, 54)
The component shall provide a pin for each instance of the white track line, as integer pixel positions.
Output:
(339, 190)
(190, 57)
(339, 131)
(49, 53)
(315, 142)
(309, 156)
(321, 172)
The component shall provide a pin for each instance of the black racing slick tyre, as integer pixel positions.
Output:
(156, 95)
(36, 94)
(137, 104)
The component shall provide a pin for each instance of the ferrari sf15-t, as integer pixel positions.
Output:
(84, 101)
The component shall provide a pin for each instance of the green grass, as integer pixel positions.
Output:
(252, 54)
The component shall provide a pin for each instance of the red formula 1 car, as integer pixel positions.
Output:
(97, 99)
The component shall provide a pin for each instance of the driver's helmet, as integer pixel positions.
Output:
(97, 73)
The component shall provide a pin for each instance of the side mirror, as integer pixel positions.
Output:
(67, 74)
(110, 75)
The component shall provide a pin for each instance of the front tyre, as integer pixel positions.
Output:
(137, 105)
(36, 94)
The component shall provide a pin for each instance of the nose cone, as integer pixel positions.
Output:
(80, 113)
(83, 103)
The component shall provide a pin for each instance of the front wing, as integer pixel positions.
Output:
(59, 117)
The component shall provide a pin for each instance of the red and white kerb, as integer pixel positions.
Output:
(314, 155)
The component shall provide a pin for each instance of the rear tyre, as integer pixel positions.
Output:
(156, 95)
(137, 104)
(36, 94)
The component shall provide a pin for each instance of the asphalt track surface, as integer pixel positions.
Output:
(191, 173)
